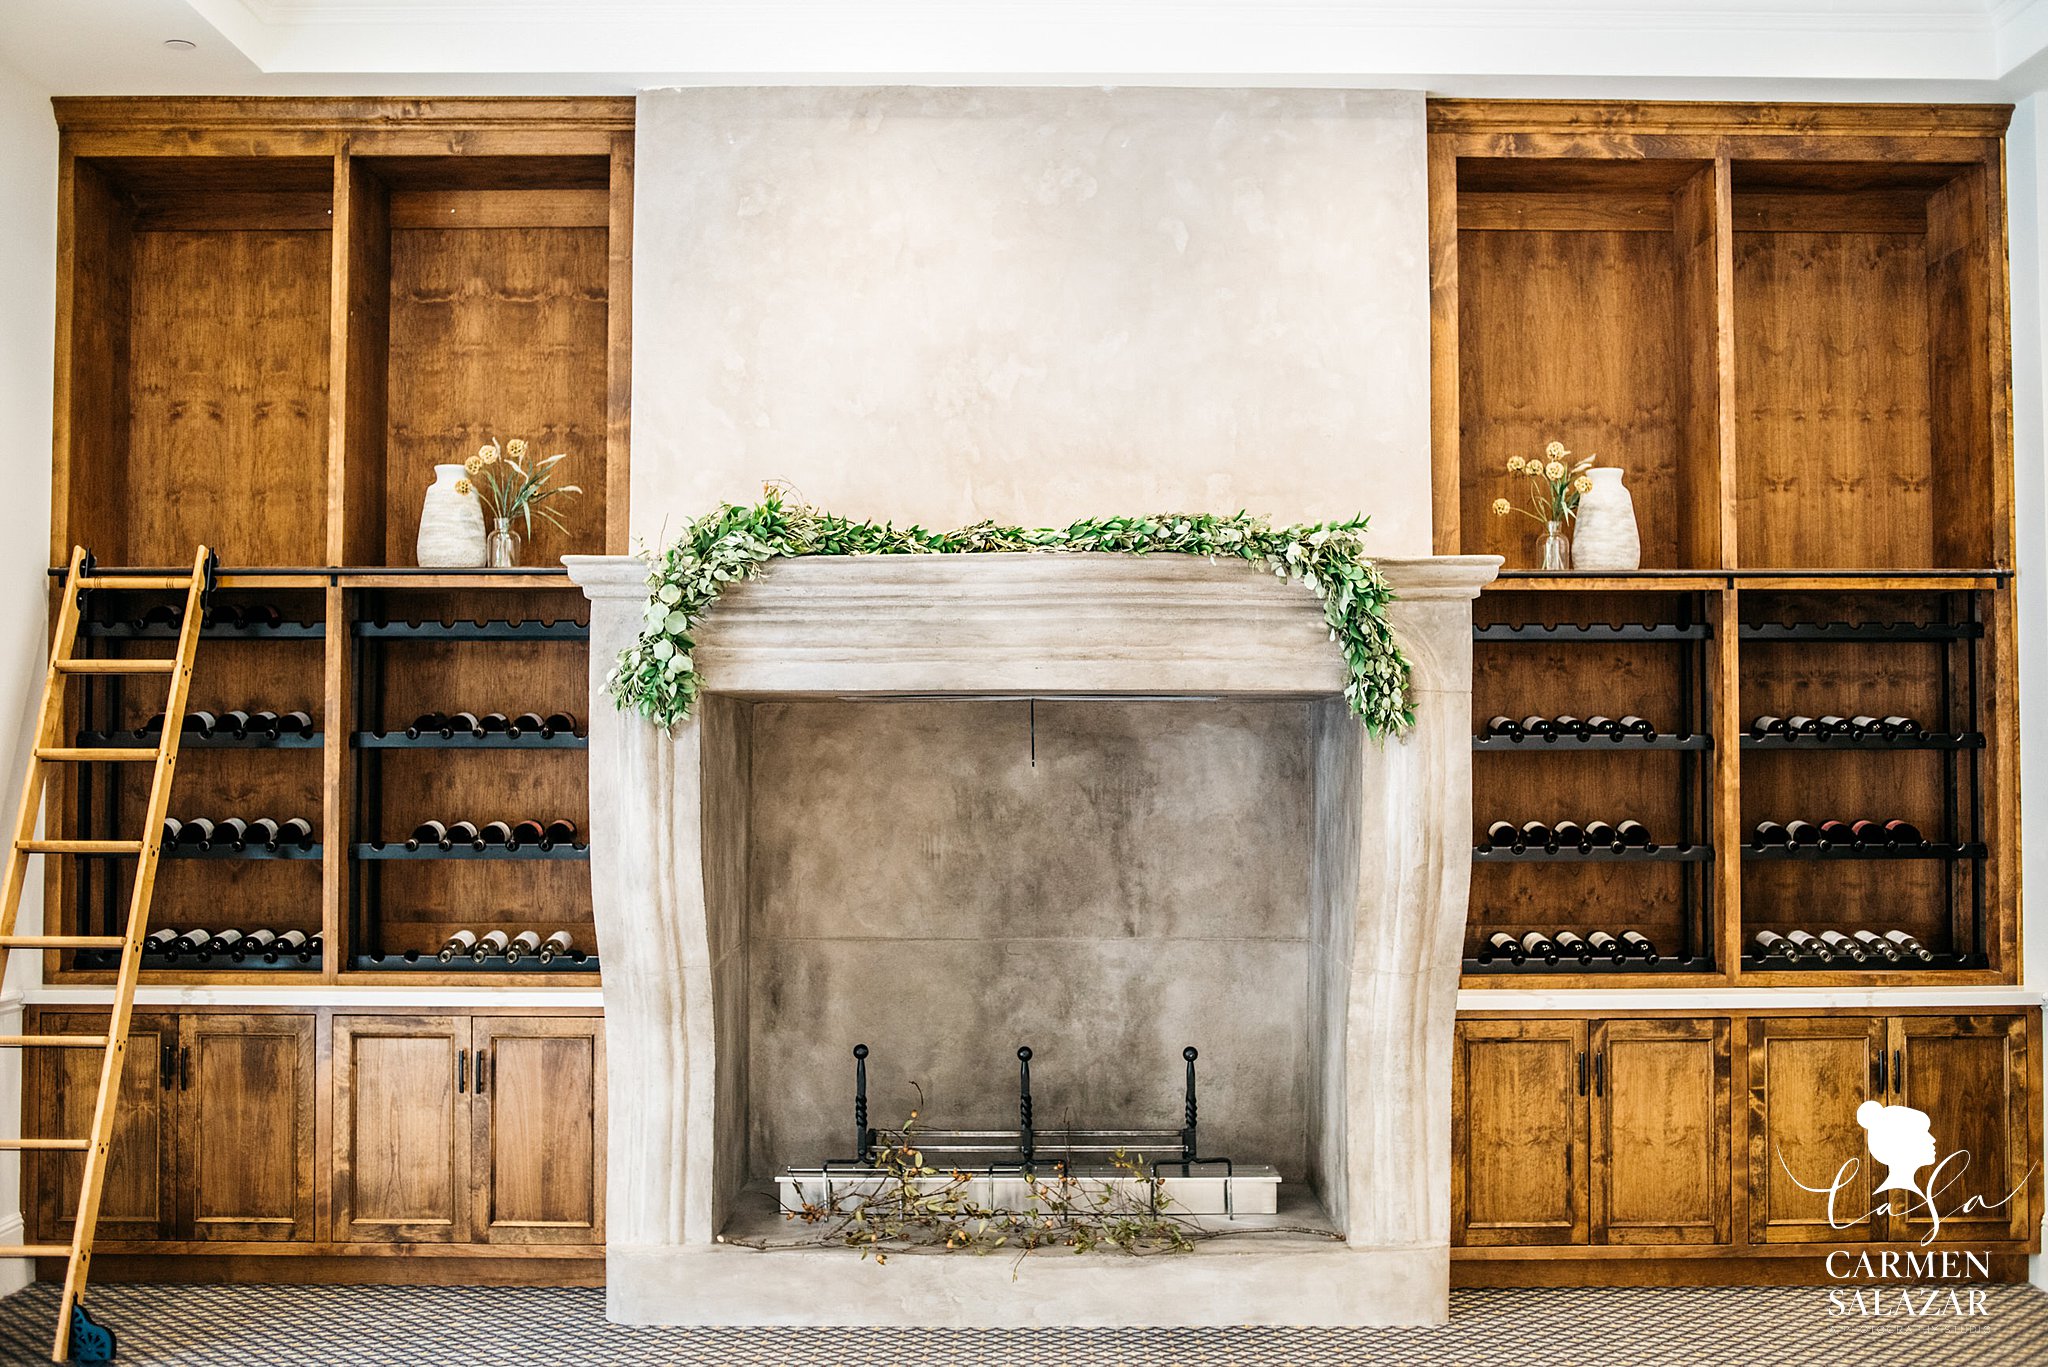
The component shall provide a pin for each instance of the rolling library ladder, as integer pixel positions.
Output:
(76, 1331)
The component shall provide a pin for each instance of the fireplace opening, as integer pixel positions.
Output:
(1106, 882)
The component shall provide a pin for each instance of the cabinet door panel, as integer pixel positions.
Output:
(1807, 1076)
(135, 1202)
(538, 1125)
(245, 1110)
(1661, 1114)
(1968, 1075)
(1518, 1137)
(401, 1134)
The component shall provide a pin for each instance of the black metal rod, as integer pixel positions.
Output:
(1027, 1141)
(863, 1137)
(1187, 1133)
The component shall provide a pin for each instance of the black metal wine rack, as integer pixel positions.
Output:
(462, 963)
(1601, 964)
(463, 740)
(1543, 744)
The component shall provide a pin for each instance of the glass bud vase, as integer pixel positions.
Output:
(1554, 551)
(501, 548)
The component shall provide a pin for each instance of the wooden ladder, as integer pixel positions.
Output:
(95, 1342)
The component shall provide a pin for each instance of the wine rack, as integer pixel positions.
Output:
(399, 740)
(474, 630)
(382, 851)
(1661, 741)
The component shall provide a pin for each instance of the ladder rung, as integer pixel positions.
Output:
(93, 754)
(35, 1250)
(78, 1145)
(100, 666)
(62, 942)
(135, 581)
(53, 1041)
(79, 846)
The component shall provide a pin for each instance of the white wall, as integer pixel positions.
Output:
(28, 257)
(1033, 306)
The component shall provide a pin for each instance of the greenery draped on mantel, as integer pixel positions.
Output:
(656, 676)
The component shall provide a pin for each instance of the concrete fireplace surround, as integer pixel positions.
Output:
(1374, 925)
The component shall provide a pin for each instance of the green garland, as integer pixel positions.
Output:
(656, 677)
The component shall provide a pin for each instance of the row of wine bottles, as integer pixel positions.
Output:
(1832, 946)
(1825, 835)
(200, 833)
(204, 946)
(491, 724)
(221, 614)
(511, 836)
(1597, 944)
(1567, 835)
(1550, 728)
(528, 944)
(258, 725)
(1881, 728)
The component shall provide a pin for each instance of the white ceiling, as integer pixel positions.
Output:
(1937, 49)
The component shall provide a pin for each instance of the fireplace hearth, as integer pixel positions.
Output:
(1111, 806)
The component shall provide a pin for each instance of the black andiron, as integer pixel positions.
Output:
(1018, 1152)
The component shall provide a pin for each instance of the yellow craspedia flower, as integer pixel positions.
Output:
(1555, 449)
(487, 454)
(461, 486)
(1554, 470)
(473, 464)
(516, 448)
(1501, 507)
(1515, 464)
(1582, 484)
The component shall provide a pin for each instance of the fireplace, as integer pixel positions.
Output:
(1102, 807)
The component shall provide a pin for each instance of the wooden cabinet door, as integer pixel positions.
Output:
(537, 1125)
(1807, 1076)
(245, 1127)
(1969, 1076)
(1660, 1171)
(401, 1129)
(136, 1202)
(1518, 1133)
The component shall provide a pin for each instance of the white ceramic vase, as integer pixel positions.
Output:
(1606, 537)
(451, 522)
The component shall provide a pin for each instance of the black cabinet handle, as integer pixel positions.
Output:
(461, 1070)
(1898, 1073)
(185, 1069)
(480, 1070)
(1878, 1082)
(167, 1067)
(1582, 1072)
(1600, 1073)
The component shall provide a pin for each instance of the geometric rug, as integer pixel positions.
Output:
(413, 1326)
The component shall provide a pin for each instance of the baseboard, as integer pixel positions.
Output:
(256, 1269)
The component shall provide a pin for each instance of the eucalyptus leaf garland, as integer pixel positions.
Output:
(656, 676)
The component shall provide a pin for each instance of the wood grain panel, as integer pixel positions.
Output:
(1972, 512)
(498, 333)
(138, 1200)
(401, 1130)
(1660, 1132)
(538, 1127)
(1518, 1134)
(1807, 1076)
(1970, 1075)
(245, 1127)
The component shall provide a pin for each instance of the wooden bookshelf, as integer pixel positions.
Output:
(1788, 324)
(275, 316)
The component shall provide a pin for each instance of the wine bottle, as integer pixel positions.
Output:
(232, 832)
(159, 941)
(1603, 943)
(1882, 948)
(560, 831)
(1770, 833)
(1802, 726)
(174, 831)
(1904, 728)
(462, 833)
(1804, 833)
(1500, 945)
(261, 615)
(1636, 726)
(1909, 946)
(1844, 946)
(494, 943)
(195, 942)
(1837, 833)
(1541, 727)
(555, 946)
(1569, 835)
(226, 943)
(1811, 947)
(1605, 726)
(196, 833)
(297, 831)
(236, 721)
(292, 942)
(530, 724)
(1834, 726)
(262, 831)
(1640, 946)
(1771, 945)
(200, 724)
(1571, 943)
(492, 723)
(295, 724)
(464, 722)
(1632, 833)
(1867, 833)
(525, 943)
(428, 833)
(1572, 726)
(309, 950)
(425, 722)
(257, 941)
(1903, 835)
(1769, 726)
(263, 725)
(559, 724)
(1601, 836)
(1538, 945)
(459, 944)
(1867, 726)
(532, 833)
(494, 833)
(1536, 836)
(160, 615)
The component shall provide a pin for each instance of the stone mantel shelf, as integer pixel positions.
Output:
(1383, 923)
(1052, 622)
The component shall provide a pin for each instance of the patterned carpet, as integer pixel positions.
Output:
(370, 1326)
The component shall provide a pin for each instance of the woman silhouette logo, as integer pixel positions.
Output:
(1901, 1139)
